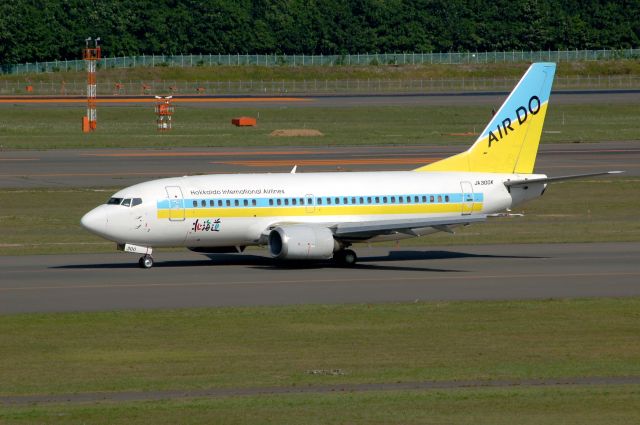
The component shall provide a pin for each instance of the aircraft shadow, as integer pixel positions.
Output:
(398, 255)
(262, 262)
(205, 261)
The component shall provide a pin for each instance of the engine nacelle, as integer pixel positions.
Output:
(301, 242)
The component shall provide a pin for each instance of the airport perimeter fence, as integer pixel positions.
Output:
(307, 87)
(325, 60)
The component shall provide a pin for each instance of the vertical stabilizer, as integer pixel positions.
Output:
(509, 143)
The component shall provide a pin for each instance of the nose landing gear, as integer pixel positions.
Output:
(145, 262)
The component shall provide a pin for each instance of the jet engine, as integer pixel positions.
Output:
(300, 242)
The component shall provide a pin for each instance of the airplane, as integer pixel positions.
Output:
(319, 216)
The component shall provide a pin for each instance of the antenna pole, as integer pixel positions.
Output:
(91, 55)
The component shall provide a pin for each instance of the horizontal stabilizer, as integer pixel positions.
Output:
(516, 183)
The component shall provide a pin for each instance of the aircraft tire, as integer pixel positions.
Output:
(145, 262)
(346, 257)
(350, 257)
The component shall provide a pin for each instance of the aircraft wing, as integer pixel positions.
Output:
(524, 182)
(387, 227)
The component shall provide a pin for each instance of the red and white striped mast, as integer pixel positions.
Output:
(91, 56)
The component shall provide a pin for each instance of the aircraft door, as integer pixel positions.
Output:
(467, 198)
(176, 203)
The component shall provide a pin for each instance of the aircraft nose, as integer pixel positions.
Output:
(95, 221)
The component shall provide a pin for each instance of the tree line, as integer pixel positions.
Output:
(44, 30)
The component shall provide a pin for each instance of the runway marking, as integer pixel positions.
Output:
(196, 154)
(151, 100)
(19, 159)
(309, 162)
(150, 173)
(305, 281)
(241, 99)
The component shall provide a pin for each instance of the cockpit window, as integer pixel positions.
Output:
(114, 201)
(126, 202)
(136, 202)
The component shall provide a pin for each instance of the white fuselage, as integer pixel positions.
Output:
(237, 210)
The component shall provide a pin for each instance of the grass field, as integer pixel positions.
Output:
(289, 73)
(277, 346)
(595, 210)
(30, 127)
(571, 406)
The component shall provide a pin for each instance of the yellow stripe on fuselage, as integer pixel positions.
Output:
(318, 210)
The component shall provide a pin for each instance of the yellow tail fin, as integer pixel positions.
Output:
(509, 143)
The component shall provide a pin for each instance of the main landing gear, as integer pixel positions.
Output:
(345, 257)
(145, 262)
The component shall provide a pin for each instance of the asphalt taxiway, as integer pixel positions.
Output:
(96, 282)
(124, 167)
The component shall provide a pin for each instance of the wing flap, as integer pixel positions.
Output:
(407, 226)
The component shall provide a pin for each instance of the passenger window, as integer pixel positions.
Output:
(219, 202)
(416, 199)
(400, 200)
(228, 203)
(302, 201)
(345, 200)
(286, 201)
(319, 201)
(446, 198)
(279, 201)
(439, 198)
(203, 203)
(246, 203)
(393, 199)
(294, 201)
(270, 201)
(253, 202)
(328, 201)
(337, 201)
(195, 203)
(361, 200)
(431, 199)
(424, 199)
(136, 202)
(368, 199)
(377, 199)
(236, 203)
(384, 199)
(211, 202)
